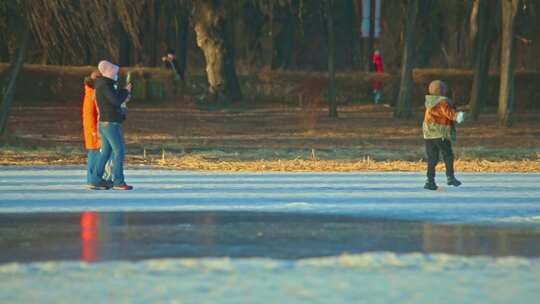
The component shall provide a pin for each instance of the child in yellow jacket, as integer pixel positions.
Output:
(439, 130)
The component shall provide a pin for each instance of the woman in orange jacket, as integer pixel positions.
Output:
(91, 134)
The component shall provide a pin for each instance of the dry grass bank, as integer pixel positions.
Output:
(271, 137)
(202, 162)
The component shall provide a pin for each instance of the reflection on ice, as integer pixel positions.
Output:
(89, 232)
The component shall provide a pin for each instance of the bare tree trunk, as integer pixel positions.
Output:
(506, 89)
(355, 35)
(87, 55)
(4, 37)
(332, 106)
(344, 28)
(271, 48)
(211, 28)
(149, 37)
(4, 47)
(252, 23)
(404, 104)
(474, 23)
(156, 35)
(369, 40)
(181, 40)
(358, 33)
(124, 48)
(283, 35)
(4, 53)
(11, 81)
(483, 35)
(44, 57)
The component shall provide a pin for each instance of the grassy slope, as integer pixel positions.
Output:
(271, 137)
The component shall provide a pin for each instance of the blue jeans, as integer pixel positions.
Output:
(91, 166)
(112, 142)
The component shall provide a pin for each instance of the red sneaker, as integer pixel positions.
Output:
(122, 187)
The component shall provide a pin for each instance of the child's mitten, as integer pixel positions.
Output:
(460, 117)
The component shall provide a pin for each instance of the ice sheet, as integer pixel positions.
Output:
(495, 198)
(370, 277)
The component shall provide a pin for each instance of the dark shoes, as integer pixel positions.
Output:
(452, 181)
(430, 185)
(106, 185)
(122, 187)
(100, 186)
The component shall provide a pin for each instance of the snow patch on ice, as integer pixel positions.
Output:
(520, 219)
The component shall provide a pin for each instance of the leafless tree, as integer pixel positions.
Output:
(506, 88)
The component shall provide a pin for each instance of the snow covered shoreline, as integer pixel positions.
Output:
(378, 277)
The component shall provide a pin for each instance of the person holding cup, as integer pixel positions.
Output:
(109, 100)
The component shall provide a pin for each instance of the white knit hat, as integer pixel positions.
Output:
(108, 69)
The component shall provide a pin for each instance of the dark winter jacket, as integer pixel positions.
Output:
(109, 100)
(173, 65)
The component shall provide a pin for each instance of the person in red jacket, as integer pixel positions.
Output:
(376, 59)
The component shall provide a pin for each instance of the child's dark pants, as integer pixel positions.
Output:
(433, 148)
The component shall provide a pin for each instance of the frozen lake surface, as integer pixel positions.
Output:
(484, 198)
(206, 237)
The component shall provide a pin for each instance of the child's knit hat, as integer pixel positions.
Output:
(437, 87)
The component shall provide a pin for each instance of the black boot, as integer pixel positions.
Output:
(430, 185)
(452, 181)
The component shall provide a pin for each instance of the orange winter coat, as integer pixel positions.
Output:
(90, 119)
(439, 118)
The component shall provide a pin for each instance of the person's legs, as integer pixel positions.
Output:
(432, 152)
(448, 156)
(376, 96)
(113, 136)
(91, 166)
(106, 151)
(107, 174)
(116, 139)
